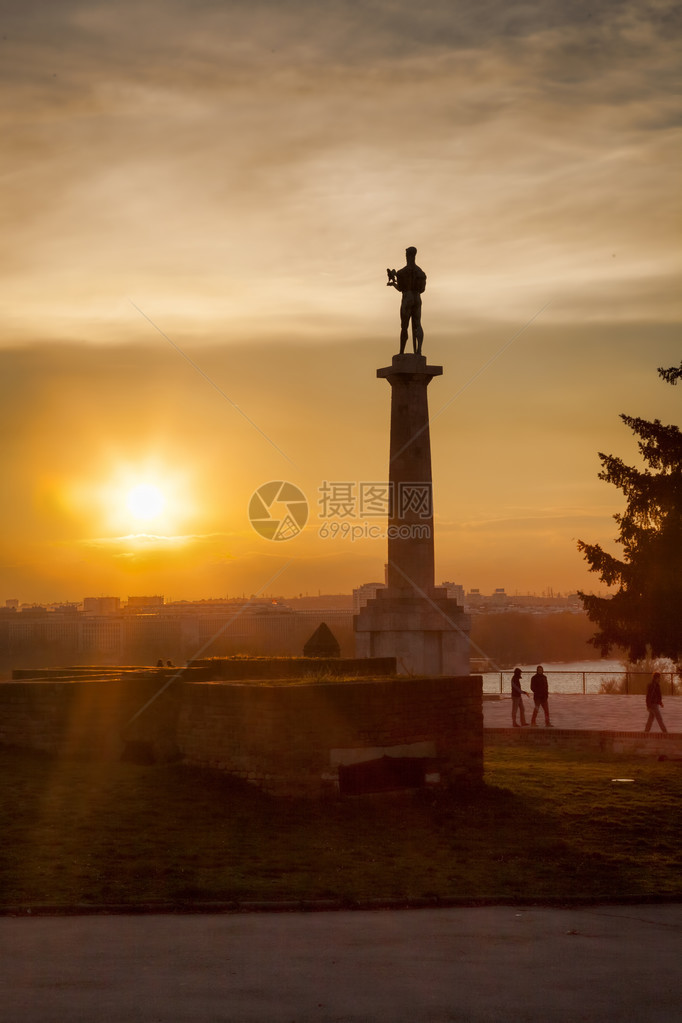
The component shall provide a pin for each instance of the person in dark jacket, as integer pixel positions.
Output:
(540, 690)
(654, 700)
(517, 694)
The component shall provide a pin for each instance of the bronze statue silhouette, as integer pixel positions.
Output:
(410, 282)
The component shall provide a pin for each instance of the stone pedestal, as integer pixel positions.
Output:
(412, 619)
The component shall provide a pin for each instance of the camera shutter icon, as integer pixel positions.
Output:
(278, 510)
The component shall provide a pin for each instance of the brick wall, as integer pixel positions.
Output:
(282, 738)
(210, 669)
(88, 718)
(288, 738)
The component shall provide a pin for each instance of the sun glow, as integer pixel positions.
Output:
(145, 502)
(149, 496)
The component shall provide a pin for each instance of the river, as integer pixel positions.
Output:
(564, 677)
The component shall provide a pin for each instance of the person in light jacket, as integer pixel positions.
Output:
(517, 694)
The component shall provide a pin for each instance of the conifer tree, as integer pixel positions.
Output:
(645, 612)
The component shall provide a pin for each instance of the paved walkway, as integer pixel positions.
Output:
(523, 965)
(598, 965)
(593, 713)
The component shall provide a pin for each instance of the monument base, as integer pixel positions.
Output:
(427, 636)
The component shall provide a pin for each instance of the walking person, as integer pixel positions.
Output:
(653, 702)
(540, 690)
(517, 694)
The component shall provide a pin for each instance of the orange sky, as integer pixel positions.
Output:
(243, 173)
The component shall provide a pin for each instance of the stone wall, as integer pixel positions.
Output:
(292, 739)
(211, 669)
(89, 718)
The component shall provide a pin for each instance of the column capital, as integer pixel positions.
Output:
(409, 365)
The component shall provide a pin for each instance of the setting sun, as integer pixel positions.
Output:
(189, 320)
(145, 501)
(134, 495)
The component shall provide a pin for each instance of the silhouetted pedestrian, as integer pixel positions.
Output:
(517, 694)
(654, 700)
(540, 690)
(159, 663)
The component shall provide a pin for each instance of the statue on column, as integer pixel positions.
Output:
(410, 282)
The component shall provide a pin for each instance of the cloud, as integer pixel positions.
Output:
(259, 175)
(244, 172)
(550, 521)
(145, 539)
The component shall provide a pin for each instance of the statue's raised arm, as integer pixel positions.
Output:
(411, 283)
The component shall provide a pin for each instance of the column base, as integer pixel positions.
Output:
(426, 636)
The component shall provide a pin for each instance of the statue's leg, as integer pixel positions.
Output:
(404, 324)
(417, 332)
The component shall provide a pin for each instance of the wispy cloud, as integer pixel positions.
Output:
(251, 169)
(272, 147)
(152, 540)
(555, 521)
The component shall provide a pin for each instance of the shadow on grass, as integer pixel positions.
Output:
(109, 833)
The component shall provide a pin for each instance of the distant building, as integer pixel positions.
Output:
(12, 604)
(362, 594)
(335, 601)
(455, 592)
(499, 601)
(145, 602)
(101, 605)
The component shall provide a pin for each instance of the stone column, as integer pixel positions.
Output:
(412, 619)
(410, 540)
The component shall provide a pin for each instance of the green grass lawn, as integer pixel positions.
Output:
(547, 824)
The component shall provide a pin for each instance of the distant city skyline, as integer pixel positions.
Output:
(146, 629)
(143, 600)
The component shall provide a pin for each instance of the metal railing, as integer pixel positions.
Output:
(587, 683)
